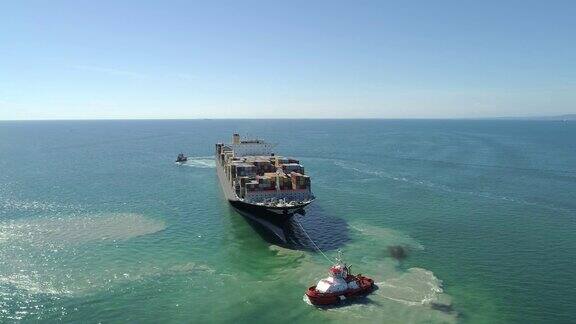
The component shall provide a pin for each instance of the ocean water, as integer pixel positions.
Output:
(98, 224)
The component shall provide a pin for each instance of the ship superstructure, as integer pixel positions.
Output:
(257, 180)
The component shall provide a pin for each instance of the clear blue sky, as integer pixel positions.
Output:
(300, 59)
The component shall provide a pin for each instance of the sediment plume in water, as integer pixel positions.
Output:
(398, 252)
(79, 229)
(412, 295)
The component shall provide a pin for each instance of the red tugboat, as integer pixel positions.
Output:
(339, 285)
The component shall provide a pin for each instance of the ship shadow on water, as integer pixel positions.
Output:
(328, 232)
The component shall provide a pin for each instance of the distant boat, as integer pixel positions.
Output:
(181, 158)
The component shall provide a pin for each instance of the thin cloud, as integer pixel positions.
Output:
(112, 71)
(135, 75)
(186, 76)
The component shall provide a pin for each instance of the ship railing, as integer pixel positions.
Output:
(281, 190)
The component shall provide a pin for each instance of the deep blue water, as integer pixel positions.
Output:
(98, 224)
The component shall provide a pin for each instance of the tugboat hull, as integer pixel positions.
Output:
(365, 286)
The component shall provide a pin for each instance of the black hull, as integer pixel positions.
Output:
(277, 216)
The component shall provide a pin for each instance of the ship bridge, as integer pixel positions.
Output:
(250, 147)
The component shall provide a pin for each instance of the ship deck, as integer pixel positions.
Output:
(224, 183)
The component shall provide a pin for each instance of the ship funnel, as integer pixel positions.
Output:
(236, 139)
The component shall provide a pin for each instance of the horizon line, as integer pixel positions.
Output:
(525, 117)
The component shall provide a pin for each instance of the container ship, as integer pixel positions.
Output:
(257, 181)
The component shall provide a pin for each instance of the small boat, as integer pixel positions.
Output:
(181, 158)
(339, 285)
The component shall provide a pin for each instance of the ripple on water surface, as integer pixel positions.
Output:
(45, 259)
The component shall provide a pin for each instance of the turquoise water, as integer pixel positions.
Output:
(97, 224)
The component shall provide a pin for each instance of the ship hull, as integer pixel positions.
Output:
(276, 215)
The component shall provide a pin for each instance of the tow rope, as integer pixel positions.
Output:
(313, 243)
